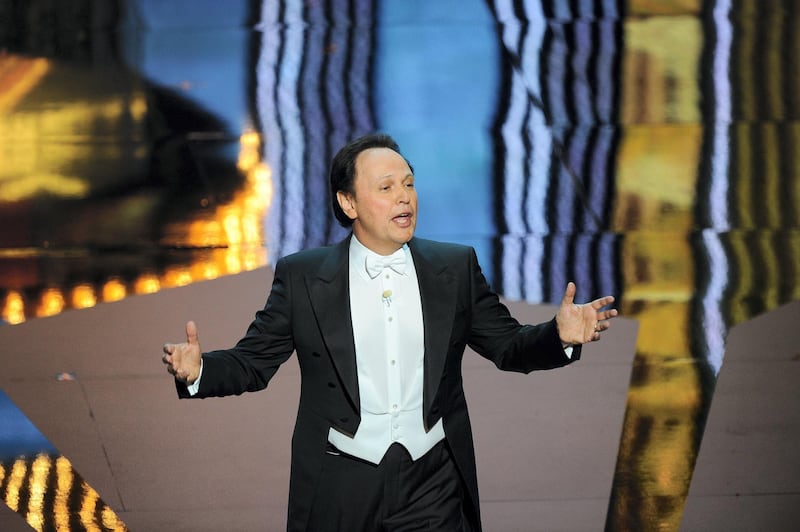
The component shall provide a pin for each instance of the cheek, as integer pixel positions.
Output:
(380, 209)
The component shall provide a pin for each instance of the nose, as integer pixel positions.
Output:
(404, 196)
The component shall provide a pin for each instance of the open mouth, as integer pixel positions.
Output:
(403, 219)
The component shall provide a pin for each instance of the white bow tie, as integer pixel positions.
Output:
(376, 264)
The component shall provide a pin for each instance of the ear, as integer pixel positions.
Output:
(347, 204)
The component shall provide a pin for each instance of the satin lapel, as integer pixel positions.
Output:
(329, 293)
(437, 288)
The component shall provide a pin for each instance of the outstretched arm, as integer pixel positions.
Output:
(579, 324)
(183, 360)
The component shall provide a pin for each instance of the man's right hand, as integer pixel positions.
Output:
(183, 360)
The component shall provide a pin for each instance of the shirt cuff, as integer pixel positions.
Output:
(195, 386)
(567, 351)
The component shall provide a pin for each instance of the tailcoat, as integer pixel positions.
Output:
(307, 313)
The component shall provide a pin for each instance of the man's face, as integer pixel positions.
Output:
(384, 206)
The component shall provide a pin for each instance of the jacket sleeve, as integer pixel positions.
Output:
(499, 337)
(255, 359)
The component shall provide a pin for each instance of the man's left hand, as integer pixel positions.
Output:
(579, 324)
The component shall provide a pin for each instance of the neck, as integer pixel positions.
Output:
(384, 250)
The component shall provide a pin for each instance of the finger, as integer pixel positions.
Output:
(607, 315)
(165, 358)
(602, 302)
(569, 294)
(168, 348)
(191, 333)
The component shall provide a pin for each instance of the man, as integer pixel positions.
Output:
(379, 323)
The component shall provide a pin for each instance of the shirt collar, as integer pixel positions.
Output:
(358, 256)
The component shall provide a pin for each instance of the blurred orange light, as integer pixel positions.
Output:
(147, 283)
(83, 296)
(14, 308)
(114, 290)
(176, 277)
(51, 304)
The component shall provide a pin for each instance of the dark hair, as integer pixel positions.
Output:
(343, 168)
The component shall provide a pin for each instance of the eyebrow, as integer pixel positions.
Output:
(389, 176)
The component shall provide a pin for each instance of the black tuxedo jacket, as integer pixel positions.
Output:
(308, 313)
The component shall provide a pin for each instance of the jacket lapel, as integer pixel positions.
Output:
(437, 288)
(330, 297)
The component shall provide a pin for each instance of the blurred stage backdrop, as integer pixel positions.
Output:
(645, 149)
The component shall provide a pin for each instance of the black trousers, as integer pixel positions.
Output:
(397, 495)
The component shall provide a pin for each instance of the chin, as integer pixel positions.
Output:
(405, 237)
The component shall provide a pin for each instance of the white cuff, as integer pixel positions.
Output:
(195, 386)
(567, 351)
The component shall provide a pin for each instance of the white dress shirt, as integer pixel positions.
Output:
(386, 312)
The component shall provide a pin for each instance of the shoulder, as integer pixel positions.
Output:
(319, 259)
(442, 252)
(447, 248)
(307, 256)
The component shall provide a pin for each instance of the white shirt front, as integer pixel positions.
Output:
(386, 312)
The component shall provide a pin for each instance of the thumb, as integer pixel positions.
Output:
(569, 294)
(191, 333)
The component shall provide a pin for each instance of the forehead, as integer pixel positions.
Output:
(376, 163)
